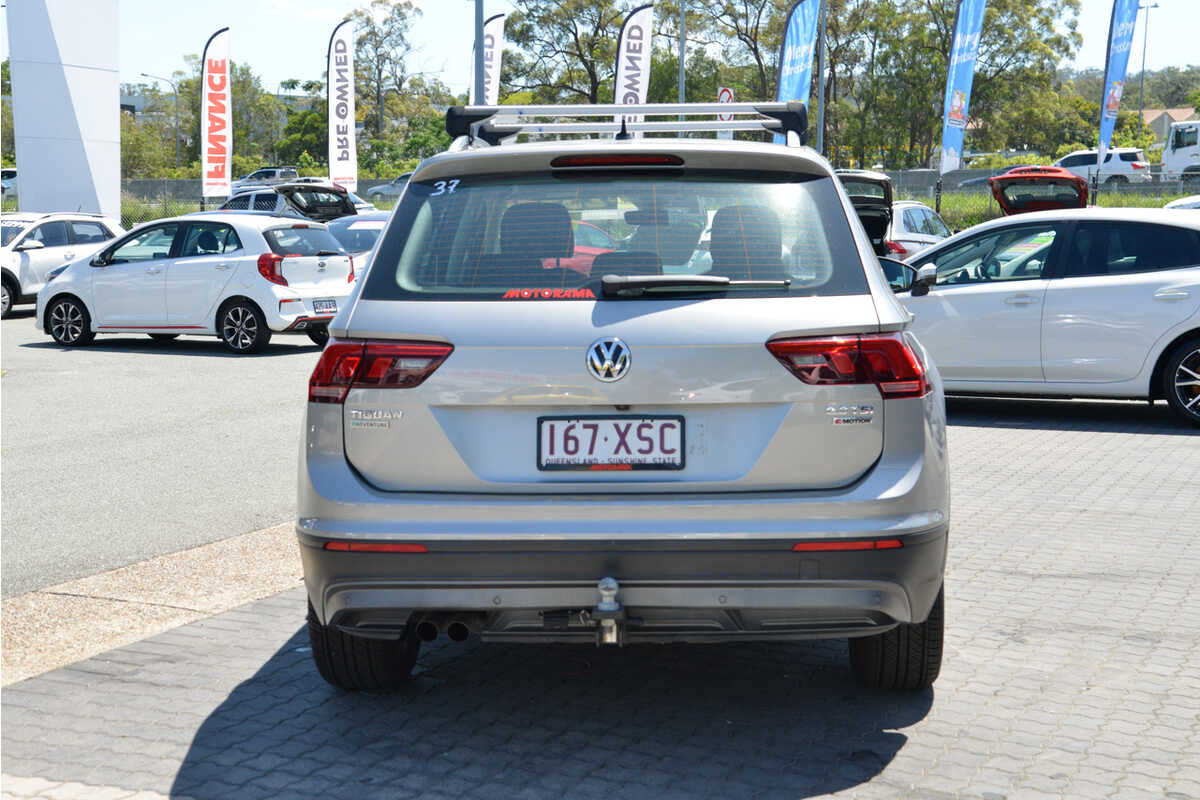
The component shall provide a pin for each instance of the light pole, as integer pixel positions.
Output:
(480, 95)
(176, 90)
(1142, 82)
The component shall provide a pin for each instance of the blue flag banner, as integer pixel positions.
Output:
(1120, 39)
(796, 54)
(968, 22)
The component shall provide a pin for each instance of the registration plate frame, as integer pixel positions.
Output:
(321, 306)
(537, 456)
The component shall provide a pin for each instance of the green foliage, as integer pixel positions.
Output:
(998, 161)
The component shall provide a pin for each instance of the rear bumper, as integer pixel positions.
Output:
(671, 591)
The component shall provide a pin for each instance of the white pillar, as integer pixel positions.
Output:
(66, 104)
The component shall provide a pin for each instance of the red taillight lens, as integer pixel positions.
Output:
(1139, 165)
(895, 247)
(883, 359)
(376, 547)
(619, 160)
(345, 365)
(351, 278)
(834, 546)
(270, 267)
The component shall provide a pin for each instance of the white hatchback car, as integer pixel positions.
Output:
(33, 245)
(240, 277)
(915, 226)
(1091, 302)
(1121, 165)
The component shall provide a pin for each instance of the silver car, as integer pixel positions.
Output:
(505, 439)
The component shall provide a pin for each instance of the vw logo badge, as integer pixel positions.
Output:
(608, 359)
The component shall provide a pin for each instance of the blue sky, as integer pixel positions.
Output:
(284, 39)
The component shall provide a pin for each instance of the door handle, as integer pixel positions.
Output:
(1171, 294)
(69, 256)
(1020, 300)
(222, 266)
(153, 270)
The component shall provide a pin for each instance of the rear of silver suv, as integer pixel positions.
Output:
(677, 440)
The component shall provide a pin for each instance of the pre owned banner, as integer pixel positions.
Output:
(968, 23)
(343, 154)
(633, 60)
(493, 49)
(216, 117)
(796, 53)
(1120, 38)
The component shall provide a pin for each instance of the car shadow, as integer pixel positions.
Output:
(21, 313)
(206, 346)
(510, 720)
(1101, 416)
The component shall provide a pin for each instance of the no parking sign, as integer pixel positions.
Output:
(724, 95)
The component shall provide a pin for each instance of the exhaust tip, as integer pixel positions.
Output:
(458, 632)
(427, 631)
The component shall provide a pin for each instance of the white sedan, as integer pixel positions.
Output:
(1079, 303)
(240, 277)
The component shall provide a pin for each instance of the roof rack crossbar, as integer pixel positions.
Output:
(494, 123)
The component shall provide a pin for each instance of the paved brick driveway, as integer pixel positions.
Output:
(1072, 669)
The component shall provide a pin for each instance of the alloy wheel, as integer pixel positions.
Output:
(66, 322)
(1187, 382)
(5, 299)
(239, 328)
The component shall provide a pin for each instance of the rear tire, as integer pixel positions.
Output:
(359, 664)
(9, 293)
(242, 327)
(69, 322)
(906, 657)
(319, 336)
(1182, 368)
(163, 337)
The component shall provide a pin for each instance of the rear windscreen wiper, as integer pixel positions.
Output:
(324, 253)
(638, 285)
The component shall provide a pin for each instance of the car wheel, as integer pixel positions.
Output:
(1181, 380)
(163, 337)
(69, 322)
(906, 657)
(360, 664)
(242, 327)
(319, 335)
(8, 296)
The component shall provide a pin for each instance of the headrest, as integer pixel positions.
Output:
(207, 242)
(745, 240)
(537, 230)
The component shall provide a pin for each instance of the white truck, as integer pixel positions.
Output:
(1181, 156)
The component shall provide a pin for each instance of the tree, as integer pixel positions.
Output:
(380, 53)
(568, 49)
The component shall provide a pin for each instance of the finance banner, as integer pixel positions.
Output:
(216, 117)
(633, 61)
(493, 49)
(796, 54)
(968, 22)
(343, 153)
(1120, 39)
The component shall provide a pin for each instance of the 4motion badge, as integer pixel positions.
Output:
(850, 414)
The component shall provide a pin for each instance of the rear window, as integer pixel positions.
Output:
(505, 236)
(1135, 156)
(863, 189)
(357, 236)
(301, 241)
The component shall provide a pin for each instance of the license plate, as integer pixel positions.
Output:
(325, 306)
(610, 443)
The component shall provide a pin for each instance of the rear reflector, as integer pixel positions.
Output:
(872, 544)
(619, 160)
(884, 359)
(345, 365)
(350, 279)
(375, 547)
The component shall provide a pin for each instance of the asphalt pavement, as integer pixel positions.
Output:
(129, 448)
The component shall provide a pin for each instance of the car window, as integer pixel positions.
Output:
(51, 234)
(590, 236)
(89, 232)
(500, 237)
(357, 236)
(209, 238)
(241, 202)
(10, 231)
(1186, 137)
(301, 240)
(1106, 248)
(146, 245)
(1011, 254)
(288, 174)
(912, 220)
(933, 224)
(1131, 157)
(264, 202)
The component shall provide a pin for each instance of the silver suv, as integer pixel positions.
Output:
(513, 438)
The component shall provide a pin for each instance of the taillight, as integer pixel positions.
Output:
(895, 247)
(619, 160)
(270, 267)
(1139, 165)
(351, 278)
(884, 359)
(345, 365)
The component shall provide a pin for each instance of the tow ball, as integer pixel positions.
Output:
(609, 614)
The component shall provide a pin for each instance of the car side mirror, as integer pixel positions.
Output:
(899, 275)
(99, 260)
(926, 277)
(29, 244)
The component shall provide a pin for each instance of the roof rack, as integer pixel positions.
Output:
(493, 124)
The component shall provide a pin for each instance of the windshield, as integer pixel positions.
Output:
(10, 231)
(517, 236)
(357, 236)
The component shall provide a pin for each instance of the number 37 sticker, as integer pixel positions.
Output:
(444, 187)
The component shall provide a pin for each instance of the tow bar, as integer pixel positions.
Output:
(609, 614)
